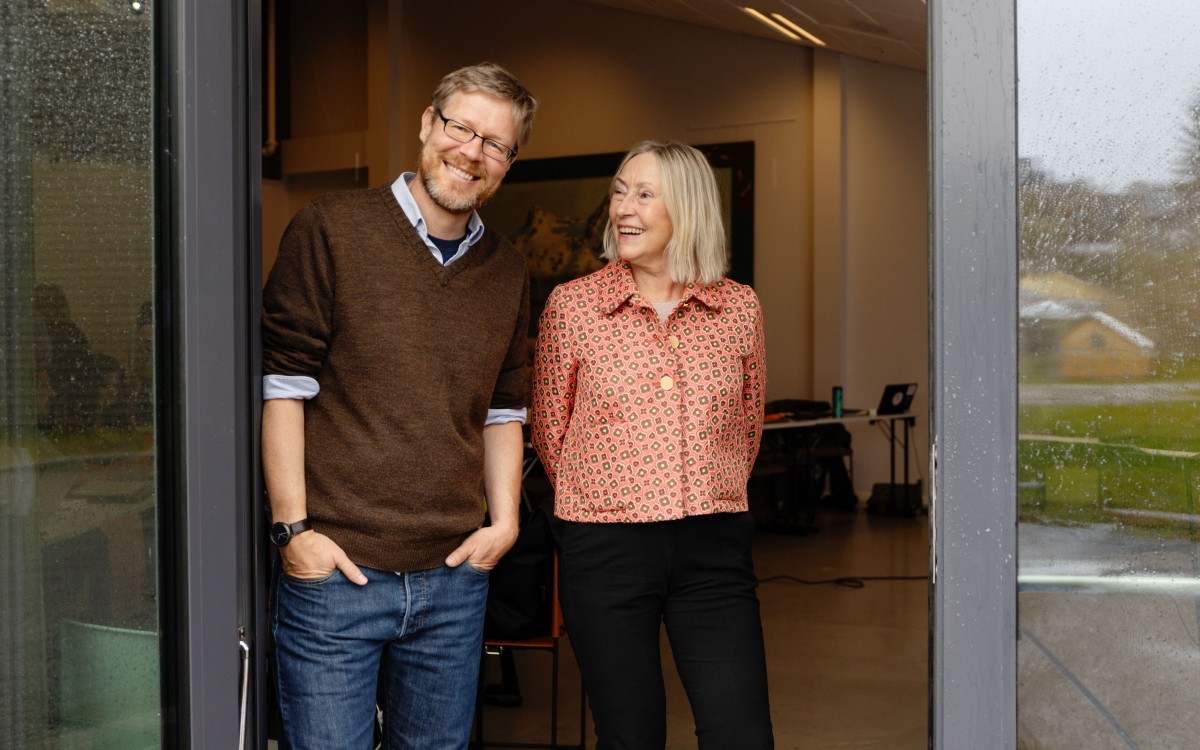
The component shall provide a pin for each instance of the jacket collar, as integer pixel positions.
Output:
(618, 288)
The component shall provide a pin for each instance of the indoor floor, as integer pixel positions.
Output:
(847, 666)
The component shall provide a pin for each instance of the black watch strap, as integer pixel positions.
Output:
(282, 533)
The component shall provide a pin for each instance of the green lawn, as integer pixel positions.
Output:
(1166, 425)
(1126, 457)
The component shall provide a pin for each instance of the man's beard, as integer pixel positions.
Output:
(448, 199)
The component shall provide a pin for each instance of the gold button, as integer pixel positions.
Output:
(667, 382)
(673, 341)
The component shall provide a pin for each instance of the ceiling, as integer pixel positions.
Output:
(887, 31)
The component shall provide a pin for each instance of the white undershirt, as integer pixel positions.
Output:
(664, 309)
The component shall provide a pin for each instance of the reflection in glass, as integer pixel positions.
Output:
(78, 604)
(1109, 362)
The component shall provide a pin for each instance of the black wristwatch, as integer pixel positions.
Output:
(282, 533)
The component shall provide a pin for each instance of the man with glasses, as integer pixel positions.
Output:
(394, 386)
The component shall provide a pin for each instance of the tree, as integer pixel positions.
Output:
(1186, 213)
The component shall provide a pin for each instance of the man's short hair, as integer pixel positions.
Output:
(696, 253)
(490, 78)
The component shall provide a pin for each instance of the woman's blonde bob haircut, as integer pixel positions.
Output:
(696, 253)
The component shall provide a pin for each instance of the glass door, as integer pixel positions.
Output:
(1109, 373)
(79, 497)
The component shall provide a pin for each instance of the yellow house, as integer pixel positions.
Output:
(1100, 346)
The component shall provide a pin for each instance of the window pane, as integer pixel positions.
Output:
(1109, 451)
(78, 604)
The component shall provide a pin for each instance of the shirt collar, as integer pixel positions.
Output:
(408, 203)
(617, 287)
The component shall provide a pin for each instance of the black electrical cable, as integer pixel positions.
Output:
(850, 582)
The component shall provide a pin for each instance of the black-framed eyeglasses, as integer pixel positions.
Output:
(491, 148)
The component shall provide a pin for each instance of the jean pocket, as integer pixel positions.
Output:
(312, 581)
(477, 571)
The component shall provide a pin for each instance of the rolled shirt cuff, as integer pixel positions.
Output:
(289, 386)
(500, 416)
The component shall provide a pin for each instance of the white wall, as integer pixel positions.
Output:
(886, 257)
(840, 215)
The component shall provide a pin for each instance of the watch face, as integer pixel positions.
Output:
(281, 534)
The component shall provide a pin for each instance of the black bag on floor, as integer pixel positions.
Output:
(519, 593)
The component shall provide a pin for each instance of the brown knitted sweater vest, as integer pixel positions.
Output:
(409, 355)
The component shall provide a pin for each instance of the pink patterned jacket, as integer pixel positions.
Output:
(636, 420)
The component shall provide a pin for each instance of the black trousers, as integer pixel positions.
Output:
(619, 581)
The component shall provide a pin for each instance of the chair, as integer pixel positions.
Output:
(809, 457)
(770, 482)
(548, 642)
(108, 691)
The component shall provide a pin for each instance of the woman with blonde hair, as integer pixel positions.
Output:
(647, 409)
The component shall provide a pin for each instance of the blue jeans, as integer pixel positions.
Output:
(424, 630)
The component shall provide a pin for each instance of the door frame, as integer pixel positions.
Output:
(212, 82)
(973, 368)
(213, 541)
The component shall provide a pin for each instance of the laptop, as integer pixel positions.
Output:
(897, 398)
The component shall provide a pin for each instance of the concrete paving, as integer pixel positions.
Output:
(1108, 645)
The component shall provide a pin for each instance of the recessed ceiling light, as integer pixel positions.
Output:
(796, 28)
(760, 17)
